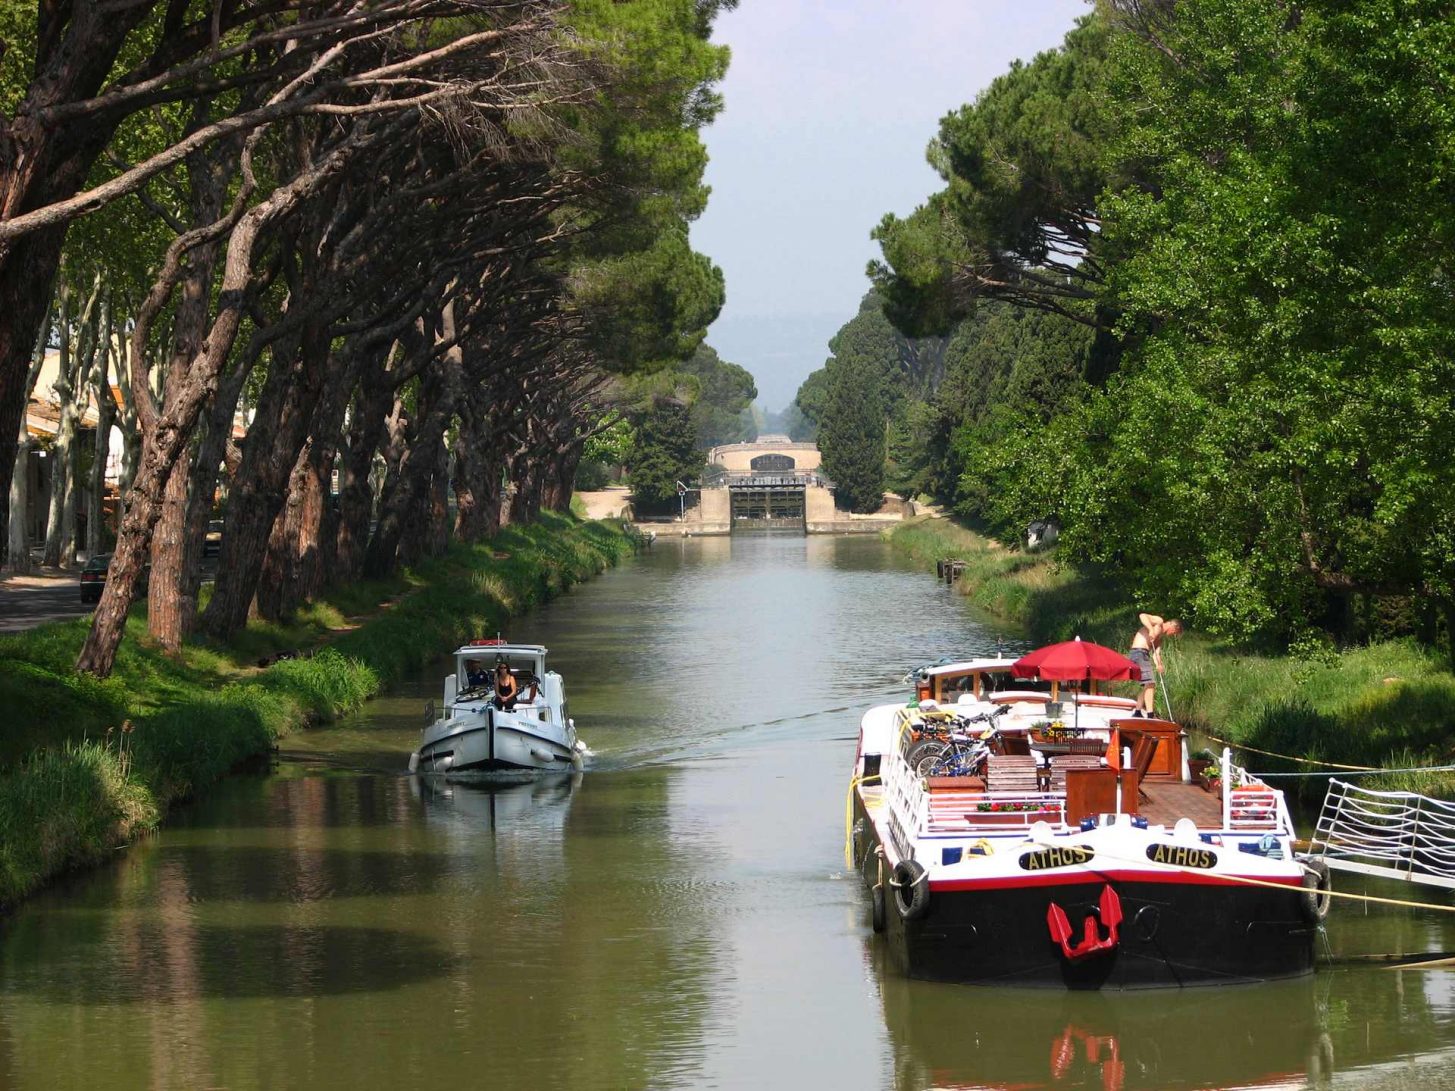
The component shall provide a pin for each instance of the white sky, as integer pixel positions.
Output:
(830, 104)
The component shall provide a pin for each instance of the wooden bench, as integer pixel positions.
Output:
(1012, 773)
(1061, 764)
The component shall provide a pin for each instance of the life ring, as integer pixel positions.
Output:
(1316, 896)
(911, 887)
(876, 911)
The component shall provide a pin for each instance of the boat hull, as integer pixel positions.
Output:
(1173, 934)
(484, 749)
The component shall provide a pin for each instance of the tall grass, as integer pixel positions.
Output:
(67, 792)
(63, 808)
(1388, 705)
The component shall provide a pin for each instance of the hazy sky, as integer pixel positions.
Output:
(830, 104)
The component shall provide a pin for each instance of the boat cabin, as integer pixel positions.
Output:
(474, 677)
(990, 680)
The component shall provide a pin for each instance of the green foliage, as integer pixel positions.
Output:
(1264, 450)
(1279, 436)
(665, 453)
(1024, 169)
(647, 297)
(612, 445)
(64, 808)
(812, 397)
(852, 432)
(720, 407)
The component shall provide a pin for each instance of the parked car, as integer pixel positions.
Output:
(93, 578)
(212, 543)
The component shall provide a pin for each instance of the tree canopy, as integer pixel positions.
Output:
(1249, 209)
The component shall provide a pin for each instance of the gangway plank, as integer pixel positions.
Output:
(1393, 835)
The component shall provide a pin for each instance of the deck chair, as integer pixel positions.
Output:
(1144, 748)
(1014, 745)
(1011, 773)
(1062, 763)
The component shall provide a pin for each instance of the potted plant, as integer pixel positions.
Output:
(1212, 779)
(1199, 764)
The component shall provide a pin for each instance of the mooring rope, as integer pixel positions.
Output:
(1366, 772)
(1291, 757)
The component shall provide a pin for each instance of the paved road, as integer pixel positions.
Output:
(26, 601)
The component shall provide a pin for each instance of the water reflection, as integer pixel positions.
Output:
(678, 917)
(1338, 1028)
(169, 962)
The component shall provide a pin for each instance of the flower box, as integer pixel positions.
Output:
(1011, 818)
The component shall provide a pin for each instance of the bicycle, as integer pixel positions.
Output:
(957, 753)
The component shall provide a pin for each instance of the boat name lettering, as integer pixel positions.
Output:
(1182, 856)
(1067, 856)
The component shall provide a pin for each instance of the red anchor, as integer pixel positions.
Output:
(1110, 914)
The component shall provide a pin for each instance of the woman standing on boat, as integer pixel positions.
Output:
(507, 689)
(1146, 653)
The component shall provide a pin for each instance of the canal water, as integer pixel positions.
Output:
(678, 917)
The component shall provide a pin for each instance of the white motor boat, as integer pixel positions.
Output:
(482, 733)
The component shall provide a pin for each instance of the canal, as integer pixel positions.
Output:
(678, 917)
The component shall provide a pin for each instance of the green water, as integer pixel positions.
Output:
(679, 916)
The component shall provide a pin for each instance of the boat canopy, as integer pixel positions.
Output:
(482, 655)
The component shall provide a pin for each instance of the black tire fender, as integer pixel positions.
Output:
(876, 907)
(911, 886)
(1315, 897)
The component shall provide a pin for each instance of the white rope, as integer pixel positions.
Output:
(1367, 772)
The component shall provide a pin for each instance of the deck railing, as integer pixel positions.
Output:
(1249, 804)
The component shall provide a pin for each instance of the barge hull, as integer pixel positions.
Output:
(1172, 935)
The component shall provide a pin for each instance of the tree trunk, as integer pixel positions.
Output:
(561, 478)
(439, 389)
(166, 606)
(202, 489)
(367, 429)
(169, 434)
(525, 505)
(101, 452)
(18, 544)
(292, 570)
(479, 467)
(26, 276)
(61, 462)
(426, 530)
(284, 416)
(176, 556)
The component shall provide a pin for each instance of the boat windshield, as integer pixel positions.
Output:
(477, 672)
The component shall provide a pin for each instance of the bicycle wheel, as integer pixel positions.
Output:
(925, 755)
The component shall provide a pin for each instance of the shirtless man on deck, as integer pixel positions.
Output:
(1146, 653)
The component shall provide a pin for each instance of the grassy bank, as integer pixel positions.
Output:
(1389, 705)
(87, 765)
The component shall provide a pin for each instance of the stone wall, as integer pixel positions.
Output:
(738, 457)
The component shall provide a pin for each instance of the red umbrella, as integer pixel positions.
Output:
(1074, 660)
